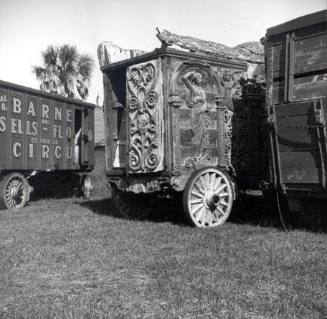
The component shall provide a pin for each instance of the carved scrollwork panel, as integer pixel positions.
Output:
(145, 109)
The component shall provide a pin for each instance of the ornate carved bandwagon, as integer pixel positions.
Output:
(145, 107)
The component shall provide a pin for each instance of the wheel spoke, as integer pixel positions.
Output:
(199, 188)
(223, 194)
(196, 207)
(223, 202)
(217, 182)
(220, 188)
(196, 201)
(206, 179)
(212, 180)
(221, 210)
(216, 215)
(202, 184)
(209, 216)
(198, 215)
(196, 194)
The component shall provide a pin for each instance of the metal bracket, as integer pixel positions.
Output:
(319, 115)
(271, 119)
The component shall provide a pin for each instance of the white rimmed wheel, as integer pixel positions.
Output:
(208, 198)
(14, 191)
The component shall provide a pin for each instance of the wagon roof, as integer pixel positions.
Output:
(298, 23)
(173, 52)
(39, 93)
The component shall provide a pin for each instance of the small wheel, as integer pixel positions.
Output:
(208, 198)
(14, 191)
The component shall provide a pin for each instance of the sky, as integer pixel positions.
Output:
(28, 26)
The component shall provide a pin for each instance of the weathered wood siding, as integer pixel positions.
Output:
(296, 56)
(37, 130)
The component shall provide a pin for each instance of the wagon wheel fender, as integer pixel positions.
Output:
(14, 191)
(208, 197)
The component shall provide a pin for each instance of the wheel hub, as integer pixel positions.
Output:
(211, 199)
(14, 191)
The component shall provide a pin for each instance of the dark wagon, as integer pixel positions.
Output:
(168, 124)
(296, 64)
(40, 132)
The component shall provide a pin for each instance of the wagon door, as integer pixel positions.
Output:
(88, 143)
(300, 138)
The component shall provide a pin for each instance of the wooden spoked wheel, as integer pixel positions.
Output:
(14, 190)
(208, 198)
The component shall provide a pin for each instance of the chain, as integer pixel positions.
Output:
(294, 143)
(301, 126)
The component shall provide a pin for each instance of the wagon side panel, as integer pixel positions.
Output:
(205, 101)
(37, 130)
(296, 100)
(194, 116)
(299, 144)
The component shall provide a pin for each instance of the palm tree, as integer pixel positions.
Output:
(65, 71)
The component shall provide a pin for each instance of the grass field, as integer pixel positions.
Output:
(70, 258)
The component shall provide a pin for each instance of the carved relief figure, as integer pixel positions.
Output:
(196, 100)
(230, 91)
(143, 115)
(230, 87)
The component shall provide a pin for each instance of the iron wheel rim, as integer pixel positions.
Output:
(210, 198)
(15, 193)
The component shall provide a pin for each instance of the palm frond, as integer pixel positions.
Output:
(65, 71)
(68, 56)
(85, 65)
(50, 55)
(38, 71)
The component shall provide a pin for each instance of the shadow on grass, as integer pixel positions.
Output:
(253, 211)
(54, 185)
(259, 211)
(164, 211)
(247, 210)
